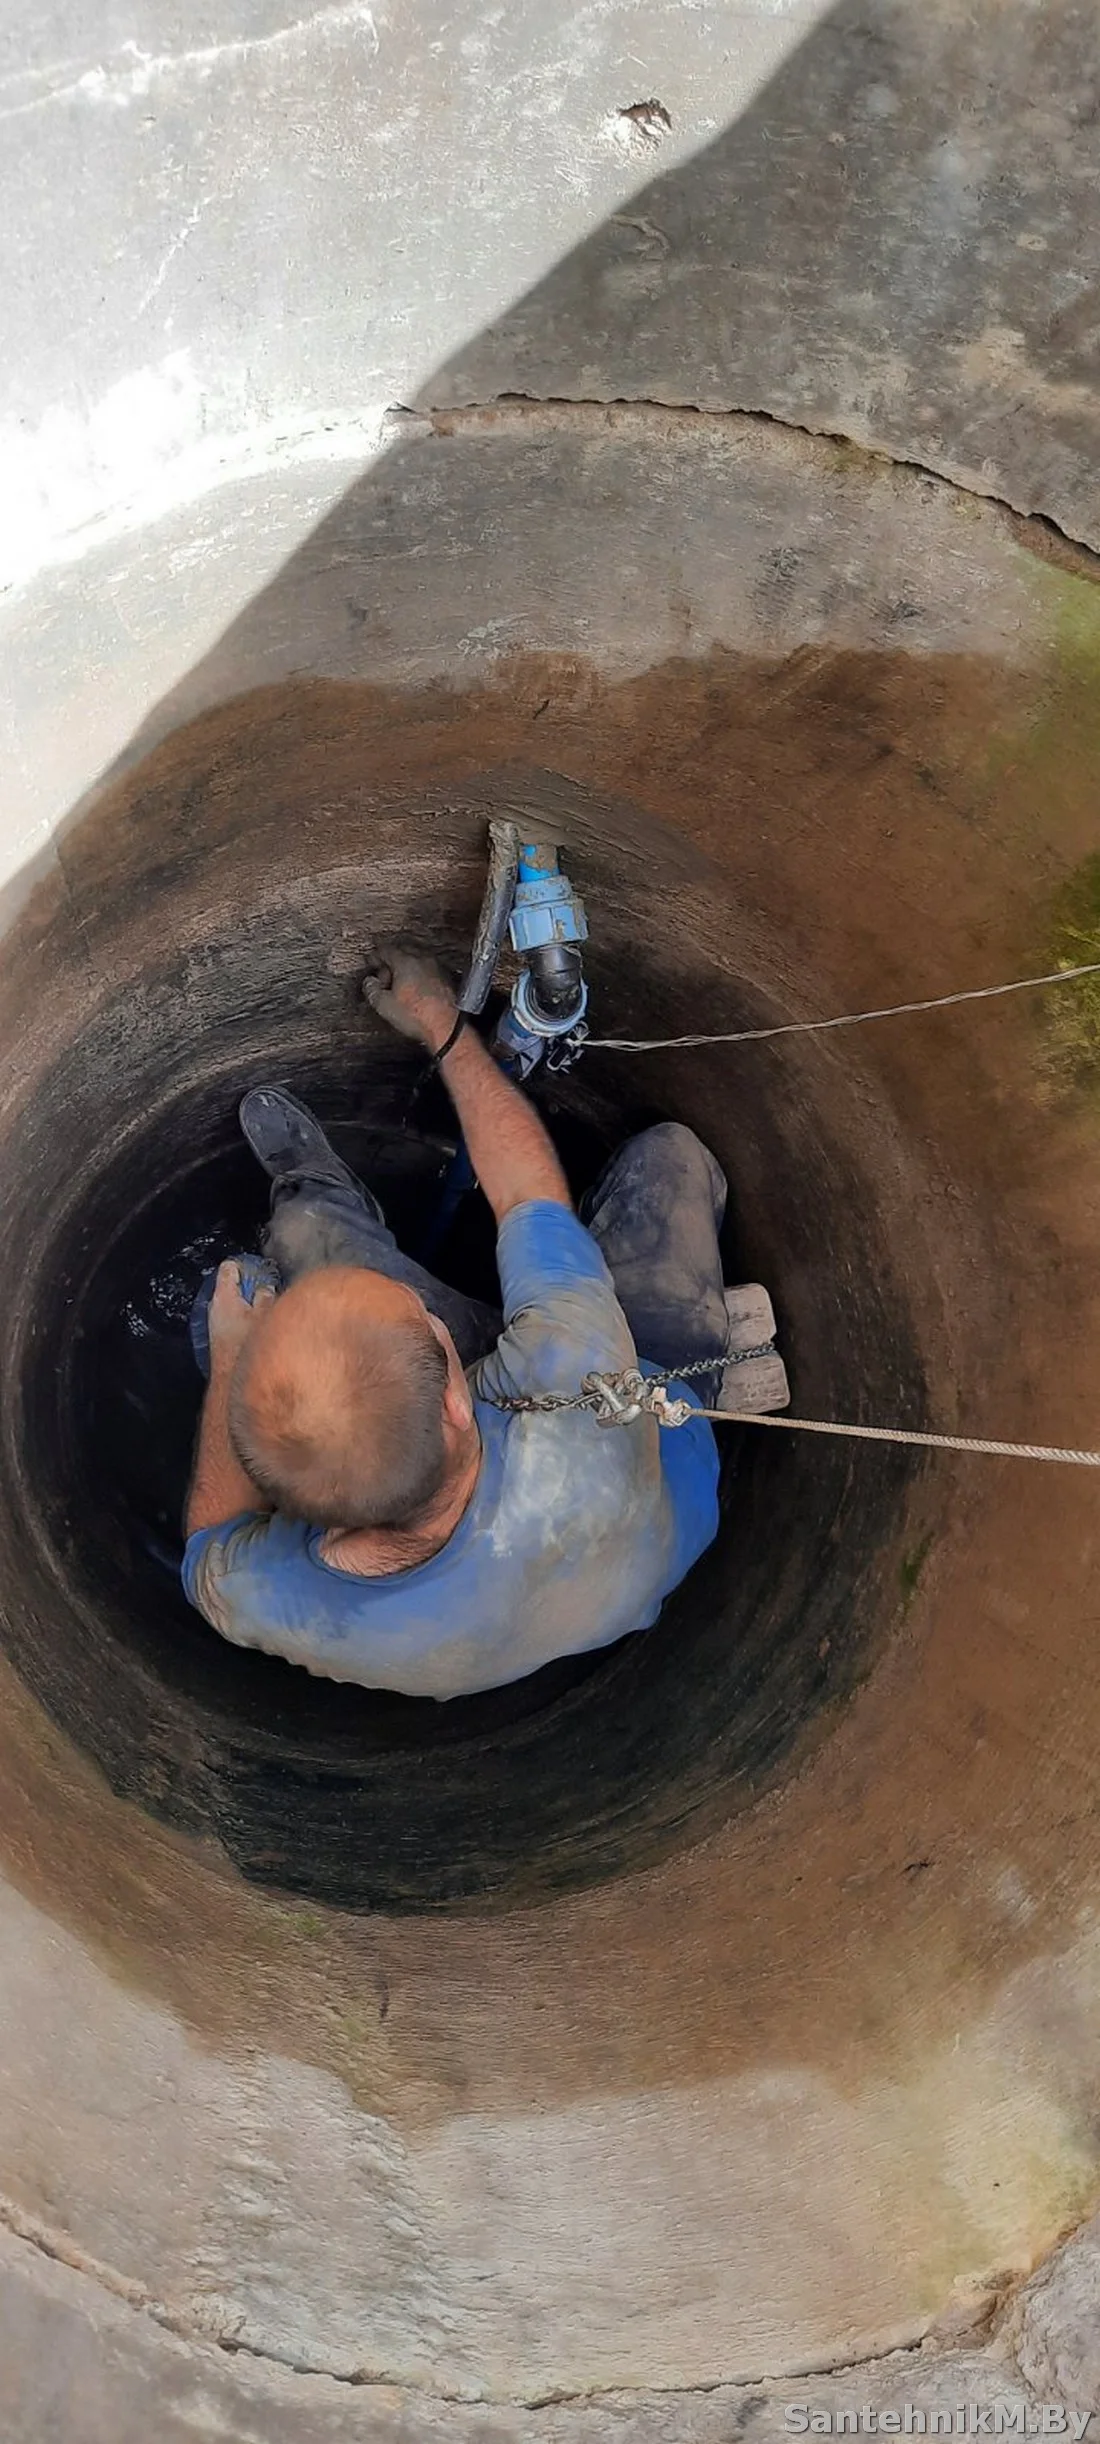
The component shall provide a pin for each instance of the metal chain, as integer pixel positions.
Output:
(617, 1399)
(614, 1400)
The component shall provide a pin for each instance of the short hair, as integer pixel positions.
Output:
(337, 1413)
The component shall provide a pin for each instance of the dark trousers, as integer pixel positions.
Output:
(655, 1214)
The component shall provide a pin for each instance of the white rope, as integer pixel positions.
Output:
(617, 1399)
(820, 1026)
(897, 1434)
(857, 1018)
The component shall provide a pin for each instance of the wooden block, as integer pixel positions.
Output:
(751, 1315)
(756, 1385)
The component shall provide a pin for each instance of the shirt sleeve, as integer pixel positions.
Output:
(235, 1575)
(562, 1319)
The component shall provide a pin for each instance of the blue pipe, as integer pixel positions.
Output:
(543, 911)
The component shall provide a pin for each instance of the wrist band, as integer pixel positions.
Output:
(452, 1040)
(431, 1065)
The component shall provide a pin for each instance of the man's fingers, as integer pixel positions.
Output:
(264, 1295)
(379, 975)
(229, 1274)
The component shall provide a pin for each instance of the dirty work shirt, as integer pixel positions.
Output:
(575, 1533)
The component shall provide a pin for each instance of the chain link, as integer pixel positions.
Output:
(613, 1400)
(617, 1399)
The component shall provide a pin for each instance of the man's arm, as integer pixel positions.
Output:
(507, 1143)
(508, 1146)
(220, 1487)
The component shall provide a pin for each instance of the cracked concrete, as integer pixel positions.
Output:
(220, 552)
(125, 2374)
(1034, 529)
(896, 241)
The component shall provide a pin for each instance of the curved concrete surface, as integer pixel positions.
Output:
(601, 2062)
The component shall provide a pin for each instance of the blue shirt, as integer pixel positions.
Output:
(575, 1532)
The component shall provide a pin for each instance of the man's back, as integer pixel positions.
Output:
(574, 1534)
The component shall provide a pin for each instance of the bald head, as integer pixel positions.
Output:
(337, 1405)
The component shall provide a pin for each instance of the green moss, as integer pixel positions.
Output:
(1073, 1011)
(1076, 620)
(1057, 741)
(1050, 764)
(912, 1565)
(357, 2036)
(308, 1922)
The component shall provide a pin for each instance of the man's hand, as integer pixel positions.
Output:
(412, 995)
(510, 1151)
(231, 1316)
(220, 1486)
(508, 1146)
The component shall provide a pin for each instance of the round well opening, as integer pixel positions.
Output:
(133, 1179)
